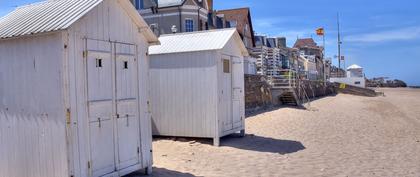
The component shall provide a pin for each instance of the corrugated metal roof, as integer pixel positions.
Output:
(46, 16)
(354, 67)
(55, 15)
(194, 41)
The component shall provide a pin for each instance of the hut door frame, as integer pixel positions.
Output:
(226, 100)
(113, 108)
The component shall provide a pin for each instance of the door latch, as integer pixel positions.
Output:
(99, 122)
(127, 120)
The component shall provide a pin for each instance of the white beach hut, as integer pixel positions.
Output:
(355, 71)
(198, 84)
(74, 90)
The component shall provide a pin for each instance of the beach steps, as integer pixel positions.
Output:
(289, 98)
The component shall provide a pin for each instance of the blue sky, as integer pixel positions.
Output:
(382, 36)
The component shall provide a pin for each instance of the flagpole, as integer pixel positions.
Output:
(323, 41)
(339, 41)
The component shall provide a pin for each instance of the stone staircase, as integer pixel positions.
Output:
(289, 98)
(292, 89)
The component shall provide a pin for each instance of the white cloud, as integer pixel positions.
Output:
(409, 33)
(264, 23)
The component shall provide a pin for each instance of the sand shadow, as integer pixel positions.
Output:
(160, 172)
(262, 144)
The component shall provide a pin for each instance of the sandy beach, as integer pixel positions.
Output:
(342, 135)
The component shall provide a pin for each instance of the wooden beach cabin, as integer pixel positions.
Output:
(74, 90)
(198, 84)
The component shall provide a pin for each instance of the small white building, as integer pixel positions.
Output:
(74, 90)
(198, 84)
(355, 71)
(355, 77)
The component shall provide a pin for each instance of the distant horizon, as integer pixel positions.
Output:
(384, 40)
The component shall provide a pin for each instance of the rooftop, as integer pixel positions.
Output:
(306, 42)
(195, 41)
(56, 15)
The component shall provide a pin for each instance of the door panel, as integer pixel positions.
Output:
(102, 147)
(128, 132)
(237, 86)
(236, 113)
(100, 107)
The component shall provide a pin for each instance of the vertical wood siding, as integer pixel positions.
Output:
(108, 22)
(184, 94)
(32, 119)
(32, 145)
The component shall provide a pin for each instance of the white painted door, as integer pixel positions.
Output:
(99, 70)
(237, 91)
(226, 100)
(114, 125)
(128, 132)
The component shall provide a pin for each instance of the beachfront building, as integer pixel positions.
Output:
(355, 77)
(74, 90)
(336, 72)
(310, 66)
(198, 84)
(273, 57)
(174, 16)
(312, 52)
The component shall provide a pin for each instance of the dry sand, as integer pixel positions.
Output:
(345, 136)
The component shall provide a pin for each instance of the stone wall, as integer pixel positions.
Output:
(257, 92)
(316, 89)
(259, 95)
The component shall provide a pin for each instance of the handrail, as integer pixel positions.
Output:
(303, 95)
(287, 78)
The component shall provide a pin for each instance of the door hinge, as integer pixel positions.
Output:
(89, 165)
(85, 54)
(68, 121)
(138, 150)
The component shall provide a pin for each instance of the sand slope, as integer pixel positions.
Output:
(346, 136)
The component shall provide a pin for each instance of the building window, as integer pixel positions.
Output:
(138, 4)
(189, 25)
(357, 83)
(232, 24)
(226, 66)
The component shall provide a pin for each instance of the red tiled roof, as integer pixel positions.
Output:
(240, 12)
(307, 42)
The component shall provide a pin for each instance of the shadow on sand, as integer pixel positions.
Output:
(249, 142)
(160, 172)
(262, 144)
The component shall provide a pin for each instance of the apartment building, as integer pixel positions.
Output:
(274, 56)
(174, 16)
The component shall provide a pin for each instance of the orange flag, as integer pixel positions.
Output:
(320, 31)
